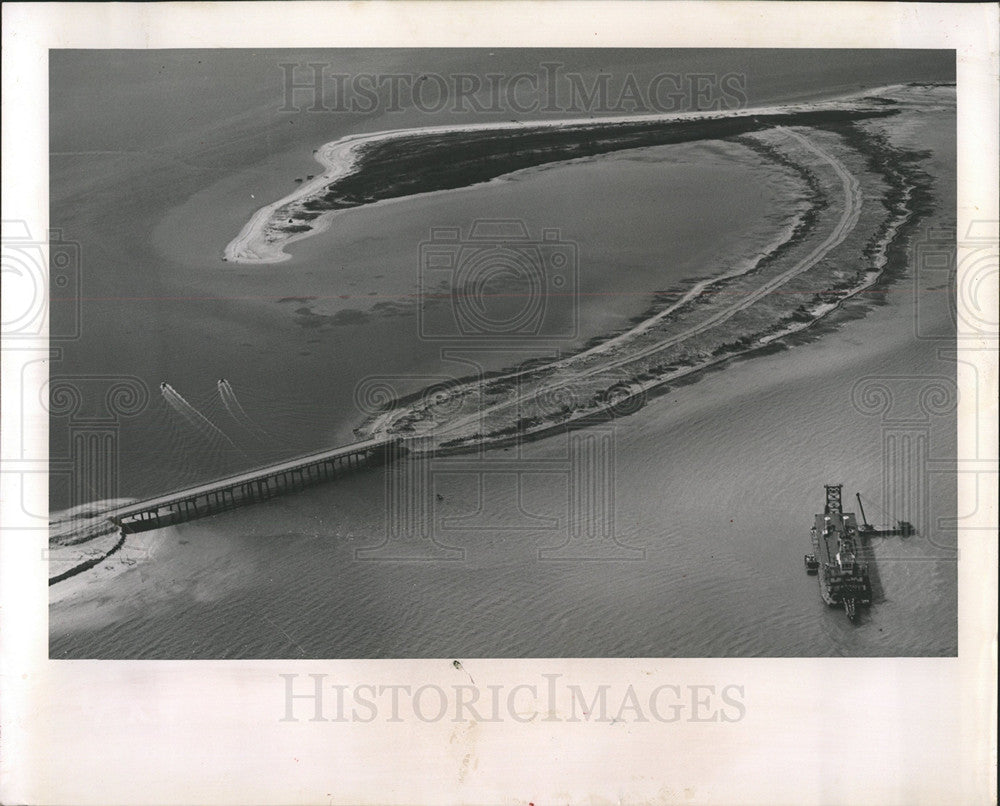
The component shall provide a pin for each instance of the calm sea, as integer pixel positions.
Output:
(159, 158)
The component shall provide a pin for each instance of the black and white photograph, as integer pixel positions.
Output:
(457, 351)
(389, 353)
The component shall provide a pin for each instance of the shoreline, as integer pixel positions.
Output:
(887, 249)
(893, 248)
(78, 530)
(906, 198)
(262, 239)
(86, 565)
(613, 354)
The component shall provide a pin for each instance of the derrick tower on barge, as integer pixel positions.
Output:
(843, 579)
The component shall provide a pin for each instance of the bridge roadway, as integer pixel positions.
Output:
(254, 485)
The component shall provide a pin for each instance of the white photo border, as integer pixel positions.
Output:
(101, 732)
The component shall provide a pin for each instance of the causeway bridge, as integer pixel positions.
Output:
(259, 484)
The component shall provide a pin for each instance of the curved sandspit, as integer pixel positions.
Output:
(275, 226)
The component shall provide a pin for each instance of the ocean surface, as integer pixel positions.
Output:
(712, 487)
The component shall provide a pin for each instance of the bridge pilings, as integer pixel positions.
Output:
(244, 491)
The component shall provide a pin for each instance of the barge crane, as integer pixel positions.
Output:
(843, 579)
(865, 527)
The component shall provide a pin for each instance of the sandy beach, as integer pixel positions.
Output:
(273, 227)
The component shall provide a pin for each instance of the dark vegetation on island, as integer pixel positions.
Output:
(907, 201)
(399, 167)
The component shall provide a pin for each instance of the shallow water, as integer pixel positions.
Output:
(720, 505)
(297, 339)
(714, 484)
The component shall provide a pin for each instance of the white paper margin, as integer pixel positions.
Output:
(209, 732)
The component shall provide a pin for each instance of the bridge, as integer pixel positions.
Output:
(259, 484)
(409, 491)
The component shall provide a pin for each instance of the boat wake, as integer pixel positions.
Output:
(237, 412)
(193, 417)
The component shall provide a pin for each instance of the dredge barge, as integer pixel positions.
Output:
(837, 543)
